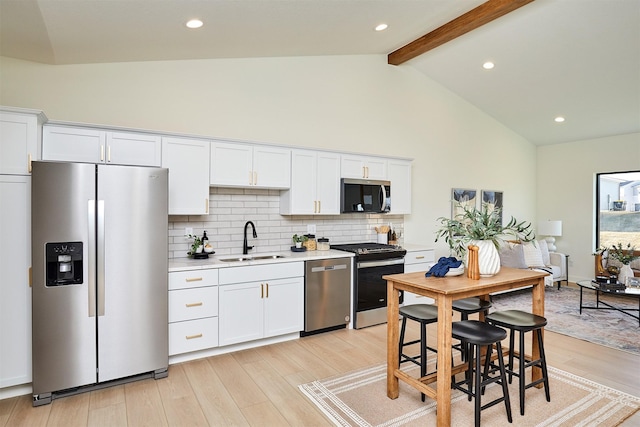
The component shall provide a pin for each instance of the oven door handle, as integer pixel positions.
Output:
(380, 263)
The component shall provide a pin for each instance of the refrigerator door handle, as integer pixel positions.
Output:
(100, 256)
(91, 250)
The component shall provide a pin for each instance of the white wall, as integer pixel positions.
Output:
(352, 103)
(566, 191)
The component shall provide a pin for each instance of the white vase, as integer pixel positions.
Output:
(488, 258)
(625, 271)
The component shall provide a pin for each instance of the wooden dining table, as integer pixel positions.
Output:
(444, 290)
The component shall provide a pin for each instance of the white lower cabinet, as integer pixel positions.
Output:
(419, 260)
(193, 310)
(260, 301)
(193, 335)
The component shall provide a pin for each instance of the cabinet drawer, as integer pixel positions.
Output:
(193, 335)
(419, 256)
(261, 272)
(193, 278)
(189, 304)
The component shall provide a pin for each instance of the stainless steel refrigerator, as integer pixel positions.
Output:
(99, 270)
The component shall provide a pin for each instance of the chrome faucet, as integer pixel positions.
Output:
(245, 247)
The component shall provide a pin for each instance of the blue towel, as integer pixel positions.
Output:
(443, 266)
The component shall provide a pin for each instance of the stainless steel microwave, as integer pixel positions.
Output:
(364, 195)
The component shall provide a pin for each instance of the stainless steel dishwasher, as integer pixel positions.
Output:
(327, 294)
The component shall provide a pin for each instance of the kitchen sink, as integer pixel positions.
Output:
(240, 258)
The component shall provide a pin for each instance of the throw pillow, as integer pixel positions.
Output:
(544, 249)
(512, 255)
(532, 254)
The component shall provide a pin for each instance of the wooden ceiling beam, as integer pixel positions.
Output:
(486, 12)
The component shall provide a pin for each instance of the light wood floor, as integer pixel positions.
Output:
(258, 387)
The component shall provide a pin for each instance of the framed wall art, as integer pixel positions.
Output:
(492, 199)
(461, 198)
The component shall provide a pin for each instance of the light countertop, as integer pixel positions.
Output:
(182, 264)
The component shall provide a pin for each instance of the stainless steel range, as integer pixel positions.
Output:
(372, 261)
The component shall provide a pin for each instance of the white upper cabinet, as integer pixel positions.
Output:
(188, 163)
(19, 142)
(124, 148)
(364, 167)
(315, 184)
(88, 145)
(248, 165)
(400, 177)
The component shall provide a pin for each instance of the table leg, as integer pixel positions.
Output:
(581, 288)
(392, 340)
(537, 304)
(443, 392)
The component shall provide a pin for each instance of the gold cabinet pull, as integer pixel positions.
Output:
(102, 153)
(255, 178)
(261, 290)
(109, 154)
(206, 206)
(190, 337)
(193, 279)
(193, 304)
(319, 206)
(267, 286)
(420, 257)
(29, 162)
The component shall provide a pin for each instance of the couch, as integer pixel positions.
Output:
(603, 261)
(535, 255)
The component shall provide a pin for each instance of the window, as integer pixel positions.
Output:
(618, 209)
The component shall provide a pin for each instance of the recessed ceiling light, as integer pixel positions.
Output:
(488, 65)
(559, 119)
(381, 27)
(194, 23)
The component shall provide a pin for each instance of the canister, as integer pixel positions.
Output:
(310, 244)
(323, 244)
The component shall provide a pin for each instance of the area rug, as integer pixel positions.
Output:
(562, 310)
(360, 399)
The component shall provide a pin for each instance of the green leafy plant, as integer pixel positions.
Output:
(197, 242)
(299, 239)
(480, 224)
(624, 254)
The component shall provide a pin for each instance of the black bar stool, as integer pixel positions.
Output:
(423, 314)
(466, 307)
(522, 322)
(476, 334)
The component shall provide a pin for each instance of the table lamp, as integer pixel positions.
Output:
(550, 229)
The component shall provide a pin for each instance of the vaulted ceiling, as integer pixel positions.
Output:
(574, 58)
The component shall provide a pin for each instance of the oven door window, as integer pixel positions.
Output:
(372, 288)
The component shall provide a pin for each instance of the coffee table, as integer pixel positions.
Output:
(603, 305)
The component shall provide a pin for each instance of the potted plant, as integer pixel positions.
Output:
(625, 255)
(196, 246)
(298, 240)
(482, 228)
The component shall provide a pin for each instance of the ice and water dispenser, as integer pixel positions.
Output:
(64, 263)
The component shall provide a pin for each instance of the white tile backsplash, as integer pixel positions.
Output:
(231, 208)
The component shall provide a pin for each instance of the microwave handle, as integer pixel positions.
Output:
(383, 199)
